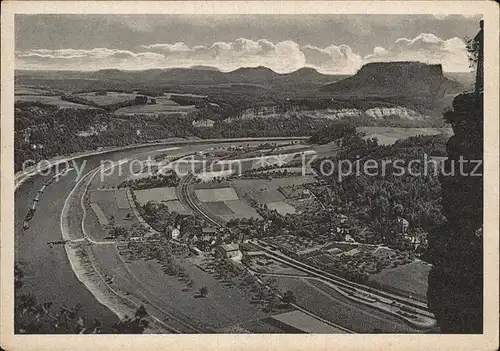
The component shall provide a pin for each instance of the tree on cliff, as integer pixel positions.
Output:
(474, 47)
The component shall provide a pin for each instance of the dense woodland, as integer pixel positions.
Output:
(375, 200)
(43, 131)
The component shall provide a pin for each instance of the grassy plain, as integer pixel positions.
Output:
(109, 98)
(240, 210)
(389, 135)
(282, 207)
(156, 194)
(215, 195)
(410, 278)
(163, 105)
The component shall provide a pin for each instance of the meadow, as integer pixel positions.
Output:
(163, 105)
(111, 97)
(155, 194)
(50, 100)
(389, 135)
(410, 278)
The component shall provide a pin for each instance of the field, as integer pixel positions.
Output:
(215, 195)
(389, 135)
(264, 196)
(25, 90)
(282, 207)
(269, 325)
(306, 323)
(121, 199)
(219, 208)
(293, 322)
(326, 303)
(266, 191)
(163, 105)
(240, 210)
(410, 278)
(156, 194)
(175, 205)
(50, 100)
(110, 98)
(224, 305)
(107, 202)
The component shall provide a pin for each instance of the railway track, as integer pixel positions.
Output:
(186, 197)
(343, 282)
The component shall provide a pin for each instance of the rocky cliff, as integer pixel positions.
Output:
(455, 292)
(396, 79)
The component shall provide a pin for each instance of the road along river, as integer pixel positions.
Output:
(48, 274)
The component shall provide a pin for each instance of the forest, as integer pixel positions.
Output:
(43, 131)
(374, 201)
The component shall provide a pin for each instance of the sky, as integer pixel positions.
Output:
(332, 44)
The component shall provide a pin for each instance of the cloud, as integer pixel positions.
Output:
(427, 48)
(332, 59)
(282, 57)
(98, 58)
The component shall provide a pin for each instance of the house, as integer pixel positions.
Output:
(403, 225)
(227, 251)
(335, 251)
(351, 252)
(349, 239)
(176, 233)
(342, 218)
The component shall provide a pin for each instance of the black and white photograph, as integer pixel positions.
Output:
(251, 173)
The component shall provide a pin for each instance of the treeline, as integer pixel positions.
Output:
(139, 100)
(331, 133)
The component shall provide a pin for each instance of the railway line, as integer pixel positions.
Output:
(420, 307)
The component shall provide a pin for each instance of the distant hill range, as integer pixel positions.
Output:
(197, 75)
(396, 79)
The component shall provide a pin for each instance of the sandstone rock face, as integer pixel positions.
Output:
(399, 112)
(455, 291)
(396, 79)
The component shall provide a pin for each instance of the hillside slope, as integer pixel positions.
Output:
(396, 79)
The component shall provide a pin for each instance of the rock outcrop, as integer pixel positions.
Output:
(455, 293)
(396, 79)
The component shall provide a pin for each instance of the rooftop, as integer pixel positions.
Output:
(230, 247)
